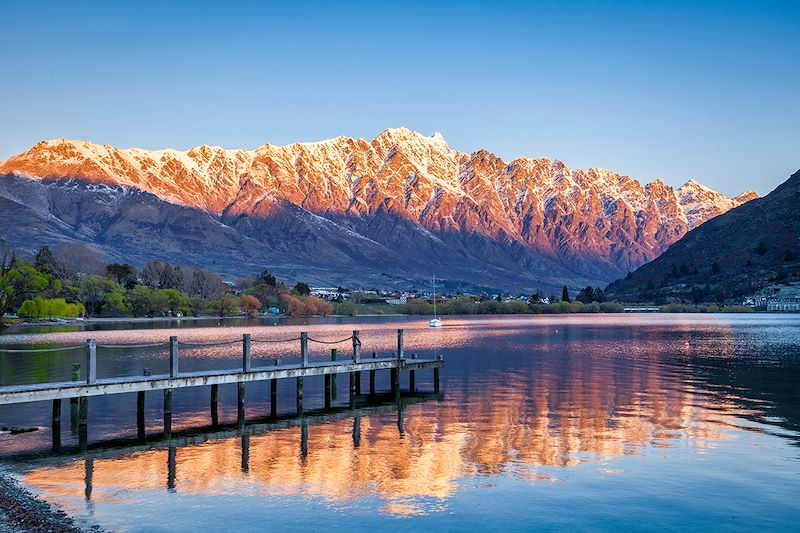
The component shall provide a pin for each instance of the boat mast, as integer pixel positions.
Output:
(434, 296)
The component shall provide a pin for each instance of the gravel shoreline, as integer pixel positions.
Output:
(21, 511)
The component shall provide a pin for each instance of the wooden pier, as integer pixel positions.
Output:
(81, 391)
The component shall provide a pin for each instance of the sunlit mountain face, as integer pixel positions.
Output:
(533, 402)
(391, 209)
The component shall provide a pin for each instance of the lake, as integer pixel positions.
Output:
(599, 422)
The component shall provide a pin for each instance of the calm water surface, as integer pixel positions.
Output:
(644, 422)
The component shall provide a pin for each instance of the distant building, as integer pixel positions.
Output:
(783, 304)
(327, 293)
(402, 300)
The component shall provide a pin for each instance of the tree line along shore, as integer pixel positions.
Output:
(69, 283)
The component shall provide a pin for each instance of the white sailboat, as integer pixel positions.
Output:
(434, 322)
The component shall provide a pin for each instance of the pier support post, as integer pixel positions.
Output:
(273, 398)
(303, 349)
(214, 405)
(140, 415)
(299, 396)
(327, 391)
(356, 346)
(352, 389)
(400, 348)
(246, 352)
(412, 377)
(91, 362)
(83, 421)
(168, 413)
(372, 378)
(333, 376)
(173, 357)
(435, 380)
(240, 402)
(73, 402)
(395, 376)
(358, 382)
(55, 426)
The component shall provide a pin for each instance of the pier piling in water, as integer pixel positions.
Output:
(167, 413)
(412, 374)
(352, 389)
(299, 396)
(372, 379)
(327, 392)
(214, 405)
(83, 421)
(273, 398)
(333, 376)
(240, 402)
(55, 426)
(140, 415)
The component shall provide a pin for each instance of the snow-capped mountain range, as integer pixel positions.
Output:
(397, 207)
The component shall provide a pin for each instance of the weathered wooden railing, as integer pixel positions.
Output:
(92, 386)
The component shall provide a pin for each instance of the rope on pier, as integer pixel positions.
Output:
(44, 350)
(331, 342)
(209, 344)
(275, 340)
(124, 346)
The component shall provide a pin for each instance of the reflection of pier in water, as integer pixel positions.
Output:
(110, 451)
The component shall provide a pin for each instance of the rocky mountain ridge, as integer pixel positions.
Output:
(401, 194)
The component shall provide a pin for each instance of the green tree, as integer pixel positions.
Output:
(565, 295)
(52, 308)
(138, 300)
(195, 305)
(267, 278)
(586, 295)
(123, 273)
(302, 288)
(92, 293)
(45, 262)
(19, 282)
(157, 304)
(176, 301)
(114, 302)
(226, 305)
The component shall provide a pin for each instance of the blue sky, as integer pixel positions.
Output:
(671, 90)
